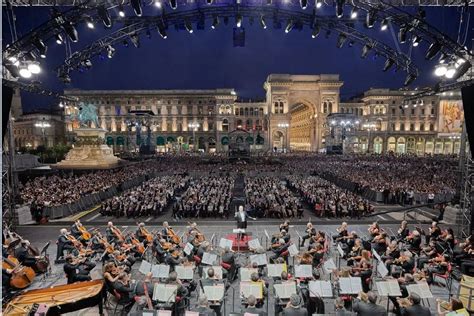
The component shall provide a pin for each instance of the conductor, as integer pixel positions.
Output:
(241, 217)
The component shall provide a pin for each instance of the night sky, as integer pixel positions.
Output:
(207, 59)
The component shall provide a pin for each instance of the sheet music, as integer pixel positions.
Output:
(148, 313)
(189, 313)
(260, 259)
(163, 313)
(339, 249)
(245, 273)
(254, 244)
(285, 290)
(188, 248)
(225, 243)
(320, 289)
(422, 289)
(275, 270)
(238, 231)
(304, 271)
(161, 271)
(350, 285)
(376, 255)
(214, 293)
(165, 292)
(388, 288)
(293, 250)
(247, 289)
(382, 269)
(145, 267)
(185, 273)
(329, 265)
(217, 272)
(209, 258)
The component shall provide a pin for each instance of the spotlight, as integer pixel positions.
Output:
(340, 40)
(13, 59)
(209, 2)
(59, 39)
(450, 72)
(135, 40)
(340, 8)
(71, 31)
(157, 4)
(463, 68)
(304, 4)
(365, 50)
(402, 34)
(34, 68)
(433, 50)
(104, 15)
(215, 22)
(409, 79)
(319, 3)
(370, 19)
(443, 58)
(289, 26)
(87, 63)
(30, 56)
(262, 22)
(316, 30)
(61, 104)
(137, 7)
(416, 40)
(42, 48)
(24, 72)
(238, 20)
(354, 13)
(173, 4)
(388, 64)
(121, 11)
(162, 31)
(440, 70)
(384, 25)
(459, 62)
(89, 22)
(110, 51)
(189, 27)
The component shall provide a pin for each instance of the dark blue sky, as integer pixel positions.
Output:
(207, 59)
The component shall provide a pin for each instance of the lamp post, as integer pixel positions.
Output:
(43, 125)
(285, 126)
(369, 127)
(194, 126)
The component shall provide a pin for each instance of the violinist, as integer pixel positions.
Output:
(379, 243)
(159, 249)
(310, 232)
(110, 233)
(280, 245)
(123, 260)
(111, 274)
(23, 255)
(355, 254)
(125, 289)
(285, 226)
(403, 231)
(97, 243)
(342, 232)
(76, 232)
(414, 241)
(63, 244)
(73, 271)
(374, 229)
(434, 232)
(438, 265)
(165, 231)
(182, 292)
(142, 234)
(173, 259)
(405, 261)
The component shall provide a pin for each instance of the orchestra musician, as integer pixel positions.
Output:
(159, 250)
(294, 308)
(110, 233)
(64, 244)
(139, 288)
(203, 307)
(24, 256)
(310, 232)
(403, 231)
(124, 288)
(182, 293)
(251, 307)
(73, 271)
(342, 232)
(414, 308)
(231, 267)
(256, 279)
(285, 226)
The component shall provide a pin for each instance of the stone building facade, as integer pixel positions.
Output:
(31, 130)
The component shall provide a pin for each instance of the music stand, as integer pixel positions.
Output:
(44, 251)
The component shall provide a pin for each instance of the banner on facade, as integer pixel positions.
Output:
(451, 116)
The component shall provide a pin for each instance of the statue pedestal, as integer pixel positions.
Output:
(90, 152)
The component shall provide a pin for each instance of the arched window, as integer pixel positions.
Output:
(282, 107)
(249, 124)
(325, 107)
(330, 107)
(251, 111)
(225, 125)
(236, 111)
(241, 111)
(246, 111)
(261, 111)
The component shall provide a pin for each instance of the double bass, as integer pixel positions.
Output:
(21, 276)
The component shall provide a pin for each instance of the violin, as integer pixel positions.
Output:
(21, 276)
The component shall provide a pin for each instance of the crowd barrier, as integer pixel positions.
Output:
(377, 196)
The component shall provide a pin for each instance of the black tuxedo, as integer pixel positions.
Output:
(242, 219)
(254, 310)
(415, 310)
(368, 309)
(290, 311)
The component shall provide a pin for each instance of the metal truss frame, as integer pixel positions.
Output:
(9, 179)
(465, 203)
(35, 87)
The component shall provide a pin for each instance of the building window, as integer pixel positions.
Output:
(432, 111)
(236, 111)
(402, 126)
(392, 126)
(431, 127)
(225, 125)
(422, 127)
(325, 107)
(261, 111)
(412, 127)
(251, 111)
(246, 112)
(412, 111)
(393, 111)
(423, 111)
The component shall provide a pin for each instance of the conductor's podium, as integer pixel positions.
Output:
(240, 239)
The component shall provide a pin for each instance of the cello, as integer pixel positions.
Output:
(21, 276)
(85, 234)
(174, 238)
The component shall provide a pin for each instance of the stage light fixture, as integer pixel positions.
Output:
(162, 31)
(289, 26)
(71, 31)
(13, 59)
(42, 48)
(316, 30)
(304, 4)
(34, 68)
(319, 4)
(440, 70)
(121, 11)
(173, 4)
(402, 33)
(370, 19)
(89, 22)
(459, 62)
(110, 51)
(215, 22)
(14, 71)
(340, 8)
(59, 39)
(462, 69)
(450, 72)
(135, 39)
(137, 7)
(238, 20)
(388, 64)
(409, 79)
(416, 40)
(341, 40)
(262, 22)
(104, 15)
(87, 63)
(354, 13)
(24, 72)
(384, 25)
(209, 2)
(30, 56)
(433, 50)
(443, 58)
(188, 26)
(365, 50)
